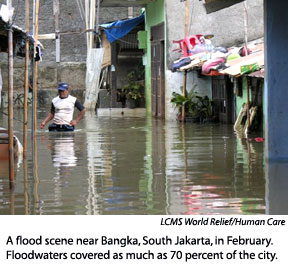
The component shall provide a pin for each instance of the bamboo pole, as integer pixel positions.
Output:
(10, 99)
(26, 195)
(185, 73)
(35, 98)
(26, 79)
(187, 18)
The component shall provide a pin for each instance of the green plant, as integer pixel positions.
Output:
(195, 106)
(189, 101)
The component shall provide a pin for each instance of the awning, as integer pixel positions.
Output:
(235, 65)
(119, 29)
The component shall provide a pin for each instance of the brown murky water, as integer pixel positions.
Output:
(122, 165)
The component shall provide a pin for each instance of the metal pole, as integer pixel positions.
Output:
(10, 98)
(26, 79)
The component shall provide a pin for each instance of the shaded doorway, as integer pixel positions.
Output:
(157, 71)
(223, 99)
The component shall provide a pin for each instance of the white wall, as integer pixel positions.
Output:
(174, 82)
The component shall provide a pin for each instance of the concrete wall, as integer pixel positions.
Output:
(226, 25)
(175, 83)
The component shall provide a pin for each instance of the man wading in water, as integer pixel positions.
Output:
(62, 110)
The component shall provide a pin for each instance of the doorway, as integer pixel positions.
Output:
(223, 100)
(158, 71)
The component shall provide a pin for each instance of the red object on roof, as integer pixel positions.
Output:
(187, 44)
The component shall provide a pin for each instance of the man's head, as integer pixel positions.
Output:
(63, 89)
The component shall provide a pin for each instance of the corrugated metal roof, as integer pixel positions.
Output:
(235, 65)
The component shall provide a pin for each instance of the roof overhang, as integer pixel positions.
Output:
(215, 5)
(124, 3)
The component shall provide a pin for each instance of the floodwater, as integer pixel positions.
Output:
(136, 165)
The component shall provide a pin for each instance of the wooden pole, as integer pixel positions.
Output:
(26, 79)
(185, 73)
(35, 68)
(10, 99)
(187, 18)
(184, 94)
(26, 195)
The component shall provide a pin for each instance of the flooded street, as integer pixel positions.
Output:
(122, 165)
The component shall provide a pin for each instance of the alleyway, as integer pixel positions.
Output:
(124, 165)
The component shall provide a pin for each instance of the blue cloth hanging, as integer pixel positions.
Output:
(118, 29)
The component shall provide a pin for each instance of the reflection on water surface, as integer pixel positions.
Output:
(125, 165)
